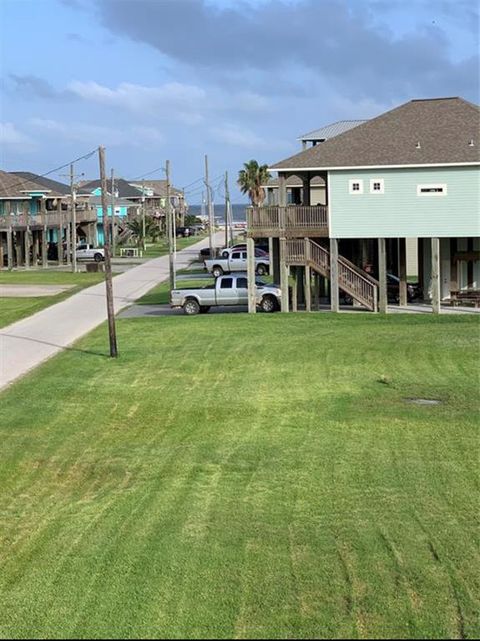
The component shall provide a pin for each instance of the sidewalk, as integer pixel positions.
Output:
(26, 344)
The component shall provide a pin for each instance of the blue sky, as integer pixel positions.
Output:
(237, 79)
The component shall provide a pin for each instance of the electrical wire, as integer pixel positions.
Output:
(52, 171)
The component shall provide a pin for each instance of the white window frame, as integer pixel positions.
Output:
(382, 186)
(442, 186)
(355, 181)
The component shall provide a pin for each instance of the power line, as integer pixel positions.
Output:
(52, 171)
(149, 173)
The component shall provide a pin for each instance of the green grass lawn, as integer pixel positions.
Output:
(161, 248)
(250, 477)
(14, 309)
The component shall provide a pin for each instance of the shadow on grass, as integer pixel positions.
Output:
(60, 347)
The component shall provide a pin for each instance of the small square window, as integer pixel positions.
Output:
(355, 186)
(377, 186)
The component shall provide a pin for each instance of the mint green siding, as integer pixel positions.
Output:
(399, 212)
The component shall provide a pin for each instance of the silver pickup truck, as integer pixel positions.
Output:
(235, 261)
(227, 290)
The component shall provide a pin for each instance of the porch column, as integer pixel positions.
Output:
(294, 289)
(1, 250)
(435, 275)
(402, 271)
(454, 287)
(9, 248)
(284, 275)
(36, 247)
(382, 276)
(334, 295)
(316, 291)
(45, 247)
(421, 276)
(282, 190)
(252, 305)
(19, 248)
(275, 260)
(306, 190)
(308, 289)
(60, 245)
(300, 285)
(26, 245)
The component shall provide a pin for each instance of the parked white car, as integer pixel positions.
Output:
(89, 252)
(235, 261)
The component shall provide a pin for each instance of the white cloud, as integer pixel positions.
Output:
(99, 135)
(237, 136)
(182, 100)
(11, 137)
(185, 103)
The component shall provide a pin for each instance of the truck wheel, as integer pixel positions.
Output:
(217, 271)
(98, 258)
(261, 270)
(191, 307)
(204, 309)
(268, 304)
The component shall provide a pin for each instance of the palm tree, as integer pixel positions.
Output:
(135, 225)
(251, 179)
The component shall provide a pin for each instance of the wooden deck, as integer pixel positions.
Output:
(49, 219)
(292, 221)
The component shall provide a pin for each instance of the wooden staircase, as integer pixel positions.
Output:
(351, 279)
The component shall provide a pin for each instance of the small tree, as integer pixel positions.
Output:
(152, 229)
(251, 179)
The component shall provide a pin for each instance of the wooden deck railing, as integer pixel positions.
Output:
(49, 219)
(351, 279)
(290, 220)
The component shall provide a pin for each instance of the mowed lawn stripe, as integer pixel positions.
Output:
(245, 477)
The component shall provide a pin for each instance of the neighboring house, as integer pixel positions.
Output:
(131, 197)
(158, 189)
(327, 132)
(35, 213)
(294, 184)
(412, 172)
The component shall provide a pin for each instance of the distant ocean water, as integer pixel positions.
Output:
(238, 212)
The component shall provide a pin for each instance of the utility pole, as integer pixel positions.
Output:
(170, 230)
(226, 209)
(108, 265)
(73, 217)
(73, 193)
(143, 214)
(209, 209)
(114, 225)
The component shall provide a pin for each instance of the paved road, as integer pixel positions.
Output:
(26, 344)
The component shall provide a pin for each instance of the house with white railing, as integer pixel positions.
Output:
(412, 172)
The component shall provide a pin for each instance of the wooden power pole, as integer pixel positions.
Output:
(143, 215)
(227, 198)
(114, 226)
(73, 194)
(108, 265)
(171, 232)
(209, 209)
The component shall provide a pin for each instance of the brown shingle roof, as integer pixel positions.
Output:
(54, 187)
(12, 186)
(444, 128)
